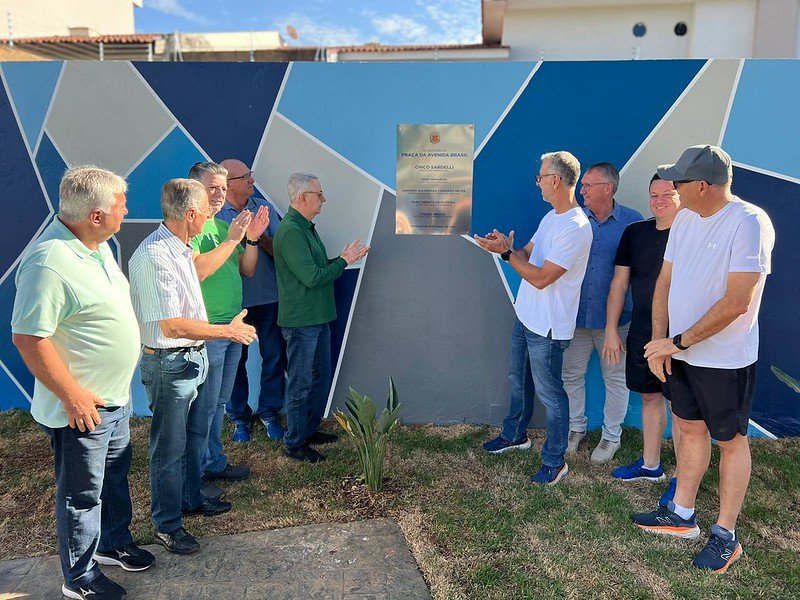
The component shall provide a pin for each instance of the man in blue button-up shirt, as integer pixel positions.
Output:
(608, 219)
(260, 298)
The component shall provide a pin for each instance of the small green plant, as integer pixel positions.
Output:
(371, 434)
(786, 378)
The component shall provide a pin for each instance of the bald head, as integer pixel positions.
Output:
(240, 182)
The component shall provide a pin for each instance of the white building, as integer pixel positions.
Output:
(625, 29)
(38, 18)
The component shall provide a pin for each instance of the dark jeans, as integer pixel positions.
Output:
(535, 367)
(309, 380)
(273, 366)
(93, 502)
(178, 432)
(223, 359)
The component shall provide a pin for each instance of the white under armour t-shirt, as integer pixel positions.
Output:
(703, 250)
(565, 240)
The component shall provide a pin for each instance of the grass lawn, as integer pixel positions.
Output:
(477, 528)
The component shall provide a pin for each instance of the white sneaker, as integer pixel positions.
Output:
(605, 451)
(574, 440)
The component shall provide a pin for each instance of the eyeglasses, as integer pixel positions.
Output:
(245, 176)
(319, 195)
(591, 185)
(540, 177)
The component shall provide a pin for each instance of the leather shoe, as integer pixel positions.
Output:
(209, 508)
(229, 473)
(179, 541)
(304, 454)
(320, 437)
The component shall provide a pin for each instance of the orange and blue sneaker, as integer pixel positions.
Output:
(550, 475)
(664, 521)
(721, 551)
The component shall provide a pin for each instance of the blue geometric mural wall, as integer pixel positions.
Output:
(150, 122)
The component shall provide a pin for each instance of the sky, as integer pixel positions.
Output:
(322, 22)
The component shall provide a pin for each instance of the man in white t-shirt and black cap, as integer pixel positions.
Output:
(709, 292)
(552, 266)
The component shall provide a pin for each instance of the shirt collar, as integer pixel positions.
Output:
(73, 243)
(616, 212)
(295, 216)
(173, 242)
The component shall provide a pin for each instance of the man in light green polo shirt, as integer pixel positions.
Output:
(306, 306)
(74, 325)
(221, 260)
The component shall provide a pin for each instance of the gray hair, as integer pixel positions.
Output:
(565, 165)
(199, 169)
(85, 189)
(179, 196)
(608, 172)
(299, 183)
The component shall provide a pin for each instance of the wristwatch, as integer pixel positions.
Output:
(506, 255)
(251, 242)
(677, 341)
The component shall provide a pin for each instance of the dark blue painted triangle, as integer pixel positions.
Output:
(51, 168)
(344, 290)
(31, 85)
(20, 188)
(9, 354)
(224, 106)
(599, 111)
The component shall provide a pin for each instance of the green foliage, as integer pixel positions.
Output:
(787, 379)
(371, 434)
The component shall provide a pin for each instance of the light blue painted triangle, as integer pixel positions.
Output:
(31, 85)
(172, 158)
(512, 278)
(355, 108)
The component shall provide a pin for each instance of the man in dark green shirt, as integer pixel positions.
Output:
(305, 308)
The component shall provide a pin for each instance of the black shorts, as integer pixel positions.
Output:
(719, 397)
(638, 376)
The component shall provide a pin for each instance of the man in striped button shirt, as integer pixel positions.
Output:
(168, 303)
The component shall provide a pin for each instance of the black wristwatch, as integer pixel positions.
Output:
(506, 255)
(251, 242)
(677, 341)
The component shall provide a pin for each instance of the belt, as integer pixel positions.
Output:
(149, 350)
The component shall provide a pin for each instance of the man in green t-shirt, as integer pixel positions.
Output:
(221, 260)
(306, 306)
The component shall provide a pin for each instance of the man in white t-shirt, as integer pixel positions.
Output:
(552, 266)
(709, 292)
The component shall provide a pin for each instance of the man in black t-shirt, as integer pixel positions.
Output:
(638, 262)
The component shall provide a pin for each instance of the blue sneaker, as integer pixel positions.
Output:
(721, 551)
(664, 521)
(550, 475)
(241, 433)
(274, 429)
(669, 495)
(499, 445)
(637, 472)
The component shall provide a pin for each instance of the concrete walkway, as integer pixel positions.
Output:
(367, 559)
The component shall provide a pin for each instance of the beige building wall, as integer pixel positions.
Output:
(35, 18)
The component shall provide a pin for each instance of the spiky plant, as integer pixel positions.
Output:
(371, 434)
(787, 379)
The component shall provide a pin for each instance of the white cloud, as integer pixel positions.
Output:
(175, 8)
(399, 29)
(313, 32)
(456, 21)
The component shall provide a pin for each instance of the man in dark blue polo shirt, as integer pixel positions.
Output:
(608, 219)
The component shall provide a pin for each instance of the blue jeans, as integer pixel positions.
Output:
(309, 380)
(272, 348)
(223, 360)
(178, 432)
(93, 502)
(535, 367)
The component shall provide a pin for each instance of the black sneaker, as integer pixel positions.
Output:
(720, 553)
(320, 437)
(664, 521)
(130, 558)
(100, 588)
(304, 454)
(209, 508)
(210, 491)
(179, 541)
(229, 473)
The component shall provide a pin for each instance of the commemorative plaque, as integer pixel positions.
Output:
(434, 179)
